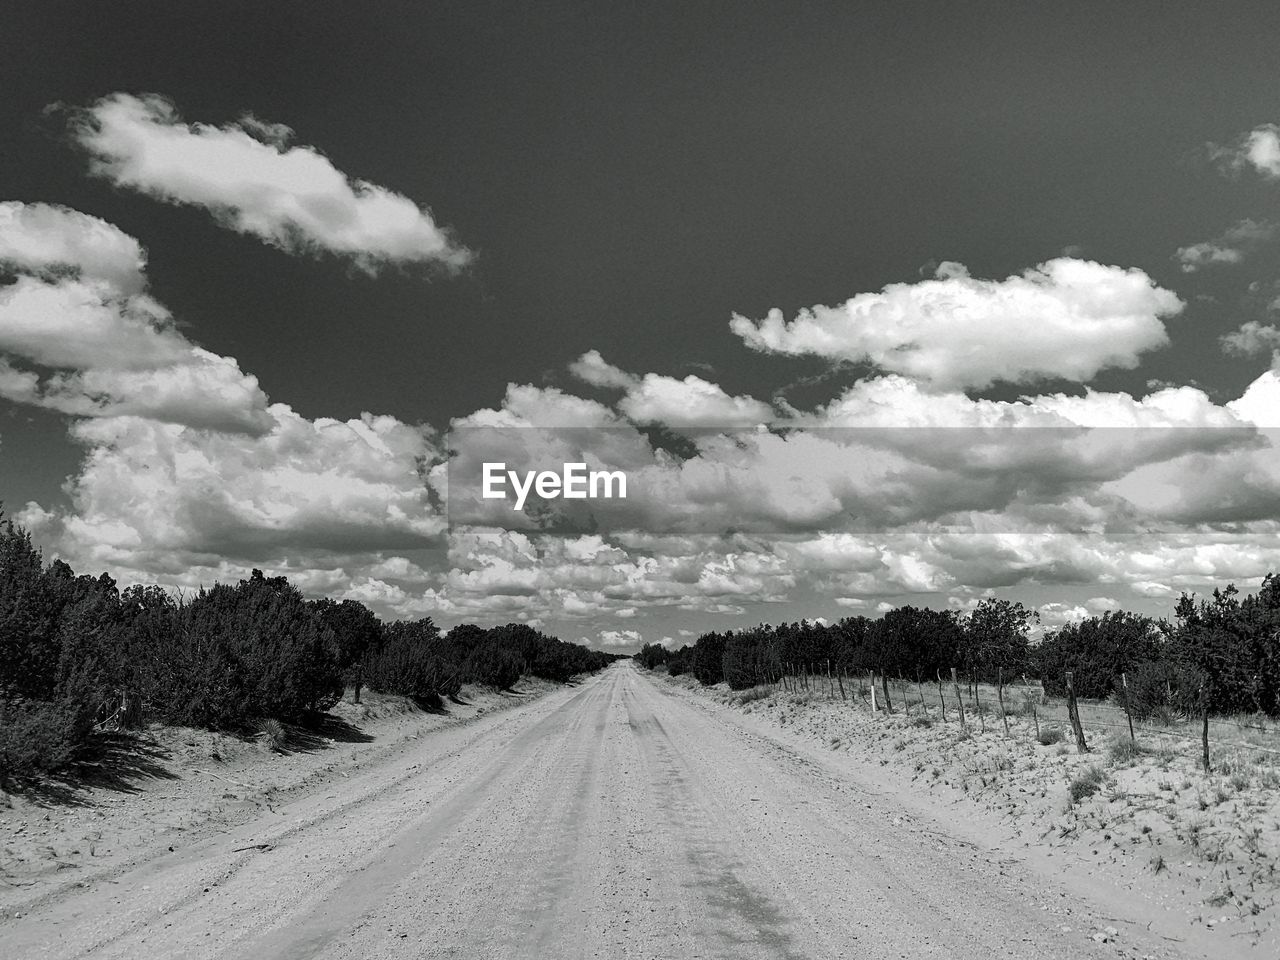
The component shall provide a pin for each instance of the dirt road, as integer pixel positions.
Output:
(618, 818)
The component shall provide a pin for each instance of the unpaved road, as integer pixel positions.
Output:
(618, 818)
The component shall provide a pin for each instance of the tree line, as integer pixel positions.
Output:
(77, 654)
(1218, 655)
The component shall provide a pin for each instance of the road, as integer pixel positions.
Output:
(619, 818)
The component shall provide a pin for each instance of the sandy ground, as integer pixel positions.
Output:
(625, 817)
(173, 786)
(1199, 852)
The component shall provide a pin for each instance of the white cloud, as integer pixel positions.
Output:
(157, 498)
(1258, 149)
(1251, 339)
(1231, 247)
(653, 398)
(78, 308)
(247, 176)
(592, 368)
(46, 240)
(1060, 614)
(621, 638)
(1065, 318)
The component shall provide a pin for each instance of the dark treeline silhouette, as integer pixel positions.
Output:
(1219, 655)
(77, 653)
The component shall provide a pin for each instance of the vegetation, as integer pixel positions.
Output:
(77, 654)
(1217, 656)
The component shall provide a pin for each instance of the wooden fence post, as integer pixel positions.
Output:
(1034, 715)
(942, 701)
(873, 691)
(955, 685)
(1124, 685)
(884, 685)
(1073, 714)
(1204, 729)
(1000, 695)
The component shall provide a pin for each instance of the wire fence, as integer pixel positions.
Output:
(1023, 710)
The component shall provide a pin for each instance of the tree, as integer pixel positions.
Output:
(1097, 651)
(708, 658)
(996, 639)
(358, 633)
(253, 650)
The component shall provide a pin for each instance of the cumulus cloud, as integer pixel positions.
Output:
(1259, 150)
(653, 398)
(1231, 247)
(49, 240)
(253, 182)
(190, 474)
(79, 311)
(1065, 318)
(621, 638)
(1251, 339)
(160, 497)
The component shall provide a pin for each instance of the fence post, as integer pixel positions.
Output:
(1035, 715)
(955, 685)
(942, 701)
(884, 685)
(1124, 685)
(1000, 694)
(1073, 714)
(840, 680)
(1204, 729)
(873, 692)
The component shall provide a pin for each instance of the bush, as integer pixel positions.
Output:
(1048, 736)
(411, 663)
(1124, 750)
(1085, 784)
(492, 665)
(274, 735)
(246, 652)
(35, 737)
(1097, 651)
(1162, 690)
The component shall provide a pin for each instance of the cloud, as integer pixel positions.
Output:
(247, 176)
(1258, 149)
(1251, 339)
(48, 240)
(621, 638)
(79, 311)
(1231, 247)
(653, 398)
(157, 498)
(592, 368)
(1065, 318)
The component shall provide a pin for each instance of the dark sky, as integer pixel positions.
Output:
(631, 174)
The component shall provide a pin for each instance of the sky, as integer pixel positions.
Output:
(876, 303)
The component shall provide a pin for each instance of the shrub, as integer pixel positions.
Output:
(1085, 784)
(249, 651)
(1162, 690)
(1124, 750)
(35, 737)
(1048, 736)
(1097, 651)
(410, 663)
(493, 666)
(273, 734)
